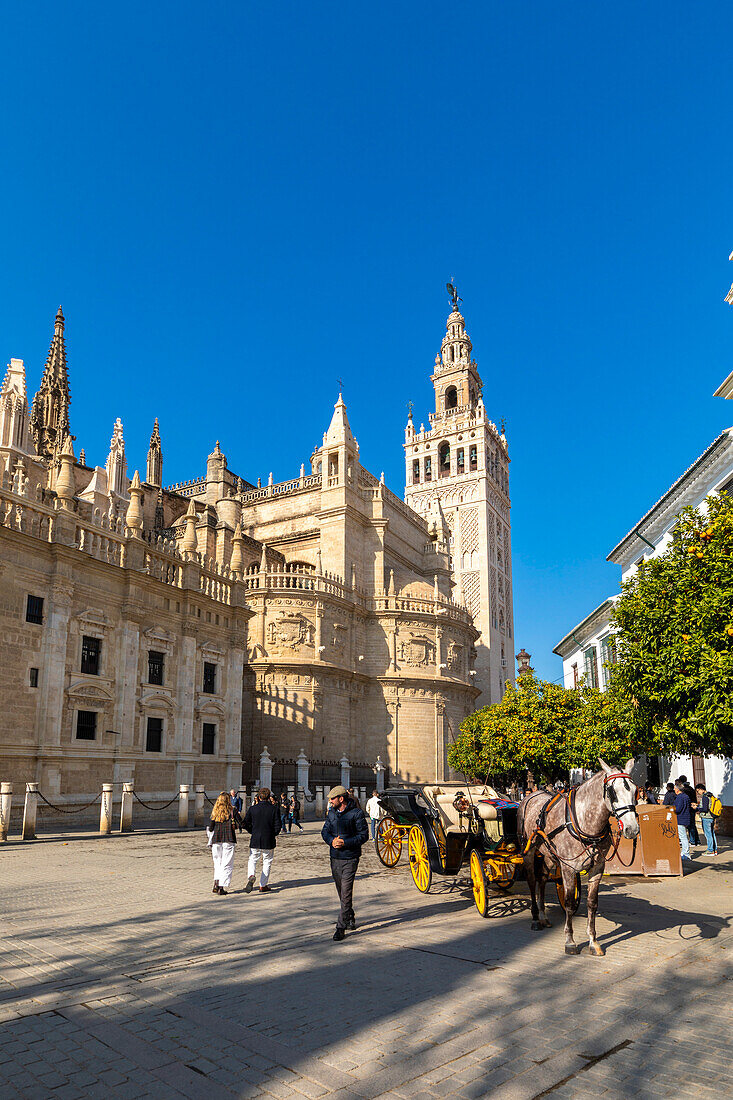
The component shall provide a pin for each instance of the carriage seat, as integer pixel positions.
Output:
(442, 798)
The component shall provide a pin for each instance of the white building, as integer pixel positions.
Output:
(588, 649)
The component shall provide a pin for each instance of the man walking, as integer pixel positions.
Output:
(236, 802)
(345, 830)
(375, 812)
(682, 809)
(262, 820)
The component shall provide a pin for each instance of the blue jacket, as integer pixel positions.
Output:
(351, 825)
(682, 809)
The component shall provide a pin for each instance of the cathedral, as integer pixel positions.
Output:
(183, 633)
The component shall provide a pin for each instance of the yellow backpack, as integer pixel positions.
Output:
(716, 806)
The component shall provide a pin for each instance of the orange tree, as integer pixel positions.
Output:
(543, 728)
(675, 642)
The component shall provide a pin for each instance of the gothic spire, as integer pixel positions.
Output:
(49, 422)
(154, 475)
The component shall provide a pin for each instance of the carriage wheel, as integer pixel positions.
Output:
(478, 881)
(561, 893)
(417, 850)
(388, 842)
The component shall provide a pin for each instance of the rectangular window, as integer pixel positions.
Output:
(608, 657)
(34, 610)
(155, 666)
(575, 675)
(208, 739)
(91, 649)
(460, 463)
(428, 468)
(209, 678)
(34, 677)
(86, 725)
(591, 667)
(698, 770)
(473, 457)
(416, 472)
(154, 735)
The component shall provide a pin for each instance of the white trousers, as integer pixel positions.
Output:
(223, 855)
(268, 854)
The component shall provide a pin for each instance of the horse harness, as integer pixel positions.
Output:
(590, 841)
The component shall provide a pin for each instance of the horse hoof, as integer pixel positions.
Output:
(572, 949)
(597, 950)
(536, 926)
(547, 924)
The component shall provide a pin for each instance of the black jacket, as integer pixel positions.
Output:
(262, 820)
(351, 825)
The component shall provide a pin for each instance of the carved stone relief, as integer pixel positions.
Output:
(291, 632)
(418, 650)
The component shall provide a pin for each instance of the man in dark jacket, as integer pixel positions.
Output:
(345, 830)
(690, 792)
(682, 809)
(262, 820)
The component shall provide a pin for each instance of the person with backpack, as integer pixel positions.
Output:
(709, 808)
(690, 792)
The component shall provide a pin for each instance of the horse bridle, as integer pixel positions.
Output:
(619, 811)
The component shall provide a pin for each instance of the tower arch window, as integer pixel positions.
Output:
(444, 460)
(416, 472)
(460, 461)
(473, 457)
(451, 398)
(428, 468)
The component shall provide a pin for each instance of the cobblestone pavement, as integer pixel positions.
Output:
(122, 975)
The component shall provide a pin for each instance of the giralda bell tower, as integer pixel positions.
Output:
(457, 477)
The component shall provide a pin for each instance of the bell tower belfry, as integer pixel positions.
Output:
(459, 466)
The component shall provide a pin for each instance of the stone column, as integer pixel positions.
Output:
(183, 806)
(302, 767)
(52, 662)
(29, 811)
(185, 696)
(198, 805)
(6, 801)
(105, 810)
(380, 769)
(319, 802)
(319, 631)
(128, 682)
(345, 772)
(242, 792)
(126, 808)
(265, 769)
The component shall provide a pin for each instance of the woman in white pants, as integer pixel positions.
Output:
(222, 839)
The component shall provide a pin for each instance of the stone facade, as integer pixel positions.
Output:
(167, 635)
(457, 478)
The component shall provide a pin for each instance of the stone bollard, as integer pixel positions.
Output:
(242, 792)
(105, 810)
(183, 806)
(198, 805)
(29, 811)
(126, 807)
(319, 802)
(6, 801)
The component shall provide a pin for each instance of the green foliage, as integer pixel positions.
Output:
(675, 622)
(543, 728)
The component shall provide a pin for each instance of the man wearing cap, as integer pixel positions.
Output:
(345, 830)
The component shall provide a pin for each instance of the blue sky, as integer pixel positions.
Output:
(238, 204)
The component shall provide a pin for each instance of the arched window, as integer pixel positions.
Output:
(451, 398)
(444, 460)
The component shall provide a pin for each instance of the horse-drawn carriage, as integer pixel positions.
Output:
(447, 827)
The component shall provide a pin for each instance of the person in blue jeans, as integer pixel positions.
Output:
(683, 811)
(708, 821)
(284, 808)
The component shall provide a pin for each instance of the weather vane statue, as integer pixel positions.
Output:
(453, 292)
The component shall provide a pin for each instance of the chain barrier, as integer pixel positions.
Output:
(208, 799)
(63, 810)
(149, 807)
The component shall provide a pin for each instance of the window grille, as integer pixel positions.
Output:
(34, 610)
(208, 739)
(154, 735)
(209, 687)
(155, 667)
(91, 649)
(86, 725)
(34, 677)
